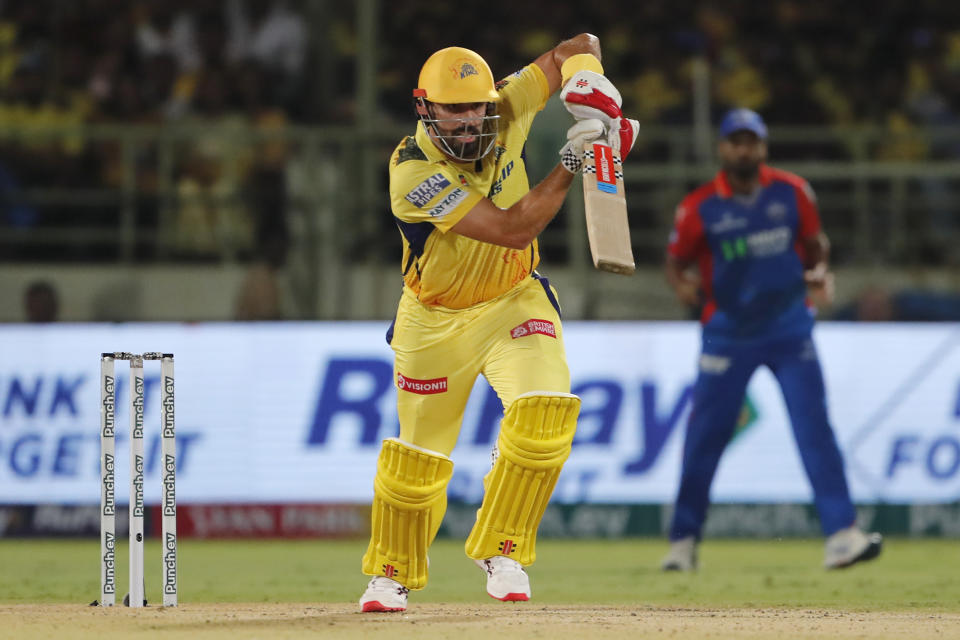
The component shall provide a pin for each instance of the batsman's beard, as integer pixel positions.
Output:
(468, 148)
(464, 142)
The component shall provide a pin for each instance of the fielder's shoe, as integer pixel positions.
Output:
(849, 546)
(506, 579)
(384, 594)
(682, 555)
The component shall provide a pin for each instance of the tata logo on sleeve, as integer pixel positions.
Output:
(534, 326)
(427, 190)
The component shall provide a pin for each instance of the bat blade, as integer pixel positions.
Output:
(605, 206)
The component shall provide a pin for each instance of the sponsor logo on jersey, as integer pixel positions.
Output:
(497, 186)
(422, 387)
(427, 190)
(532, 326)
(734, 248)
(449, 203)
(728, 222)
(777, 211)
(769, 242)
(760, 244)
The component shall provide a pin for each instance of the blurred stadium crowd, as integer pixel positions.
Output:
(242, 66)
(796, 61)
(822, 62)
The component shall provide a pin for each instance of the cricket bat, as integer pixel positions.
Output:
(605, 206)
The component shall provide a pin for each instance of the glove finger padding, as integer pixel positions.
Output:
(590, 95)
(623, 134)
(571, 155)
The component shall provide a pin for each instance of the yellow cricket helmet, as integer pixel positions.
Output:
(456, 75)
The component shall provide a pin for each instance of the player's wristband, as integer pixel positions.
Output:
(579, 62)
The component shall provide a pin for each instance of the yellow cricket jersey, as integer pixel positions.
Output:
(430, 193)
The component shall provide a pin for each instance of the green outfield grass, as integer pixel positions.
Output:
(911, 575)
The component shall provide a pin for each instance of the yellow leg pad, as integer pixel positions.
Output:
(535, 439)
(409, 499)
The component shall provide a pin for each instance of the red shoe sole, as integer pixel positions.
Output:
(512, 597)
(376, 606)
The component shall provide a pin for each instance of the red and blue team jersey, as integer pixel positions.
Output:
(750, 253)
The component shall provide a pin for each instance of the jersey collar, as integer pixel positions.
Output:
(723, 185)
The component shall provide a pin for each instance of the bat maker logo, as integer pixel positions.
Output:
(606, 173)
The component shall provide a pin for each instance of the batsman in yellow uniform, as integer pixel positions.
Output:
(473, 304)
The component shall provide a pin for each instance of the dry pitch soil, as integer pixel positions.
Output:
(463, 622)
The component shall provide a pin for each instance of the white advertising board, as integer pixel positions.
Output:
(295, 413)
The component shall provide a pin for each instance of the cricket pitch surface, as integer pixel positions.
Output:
(237, 621)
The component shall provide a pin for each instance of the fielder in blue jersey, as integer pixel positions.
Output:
(753, 233)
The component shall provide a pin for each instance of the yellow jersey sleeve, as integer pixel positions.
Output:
(422, 191)
(523, 94)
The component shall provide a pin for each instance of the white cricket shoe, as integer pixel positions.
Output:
(682, 555)
(384, 594)
(506, 579)
(849, 546)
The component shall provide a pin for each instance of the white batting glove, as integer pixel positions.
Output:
(590, 95)
(623, 133)
(571, 155)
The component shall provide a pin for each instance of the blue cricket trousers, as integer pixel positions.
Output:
(718, 398)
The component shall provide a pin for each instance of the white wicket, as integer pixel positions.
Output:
(169, 476)
(168, 465)
(108, 505)
(135, 512)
